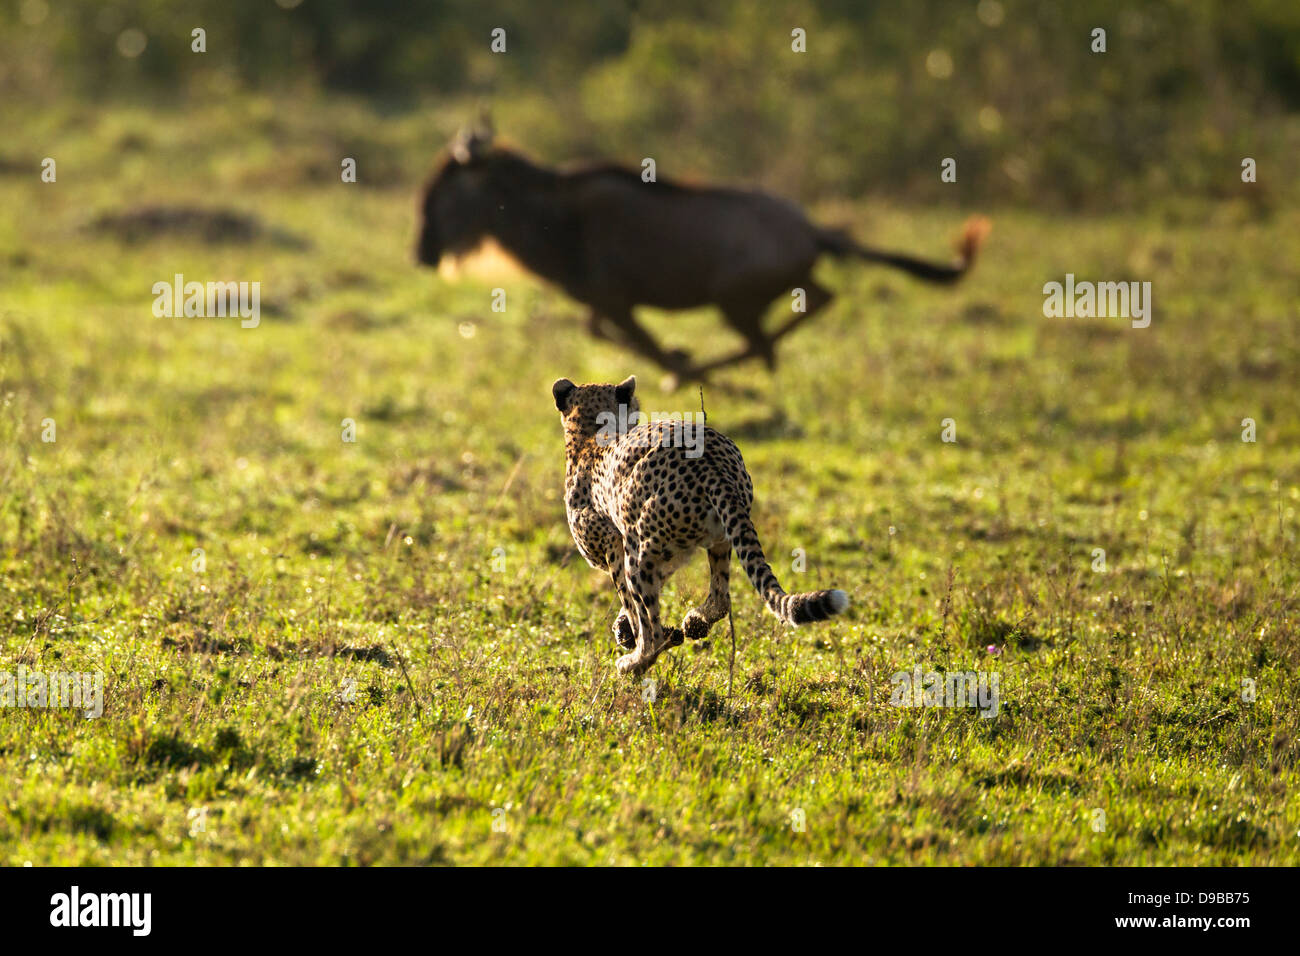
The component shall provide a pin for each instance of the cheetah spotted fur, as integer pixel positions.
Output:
(638, 505)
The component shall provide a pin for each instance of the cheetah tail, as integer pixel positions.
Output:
(794, 609)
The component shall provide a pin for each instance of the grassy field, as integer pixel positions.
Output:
(388, 651)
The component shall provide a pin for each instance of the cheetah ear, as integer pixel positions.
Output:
(624, 389)
(563, 391)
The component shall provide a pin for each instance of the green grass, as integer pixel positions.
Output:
(360, 676)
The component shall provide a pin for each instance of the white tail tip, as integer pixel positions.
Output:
(839, 601)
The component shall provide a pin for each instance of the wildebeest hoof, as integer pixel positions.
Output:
(679, 370)
(623, 633)
(677, 360)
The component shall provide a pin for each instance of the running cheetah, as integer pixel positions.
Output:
(639, 503)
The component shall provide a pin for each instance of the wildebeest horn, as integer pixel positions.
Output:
(473, 143)
(463, 146)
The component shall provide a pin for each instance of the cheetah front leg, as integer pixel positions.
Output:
(698, 621)
(624, 631)
(644, 582)
(611, 561)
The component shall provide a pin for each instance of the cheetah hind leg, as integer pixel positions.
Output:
(698, 621)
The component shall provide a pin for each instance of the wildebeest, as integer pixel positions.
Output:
(613, 242)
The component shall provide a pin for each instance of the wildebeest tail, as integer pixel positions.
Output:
(793, 609)
(840, 243)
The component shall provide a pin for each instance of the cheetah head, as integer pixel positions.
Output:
(582, 406)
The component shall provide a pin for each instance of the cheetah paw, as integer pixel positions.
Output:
(623, 633)
(694, 626)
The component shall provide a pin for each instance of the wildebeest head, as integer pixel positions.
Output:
(457, 208)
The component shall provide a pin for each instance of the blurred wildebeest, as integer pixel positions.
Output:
(614, 242)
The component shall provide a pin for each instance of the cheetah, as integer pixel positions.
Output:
(639, 503)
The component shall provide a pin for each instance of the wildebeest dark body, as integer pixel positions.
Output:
(613, 242)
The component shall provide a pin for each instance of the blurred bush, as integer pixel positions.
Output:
(1011, 89)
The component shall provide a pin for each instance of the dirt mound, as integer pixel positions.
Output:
(212, 226)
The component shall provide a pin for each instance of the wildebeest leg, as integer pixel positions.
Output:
(698, 372)
(746, 317)
(597, 326)
(639, 340)
(817, 298)
(747, 320)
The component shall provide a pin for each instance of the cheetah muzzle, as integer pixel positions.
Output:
(639, 503)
